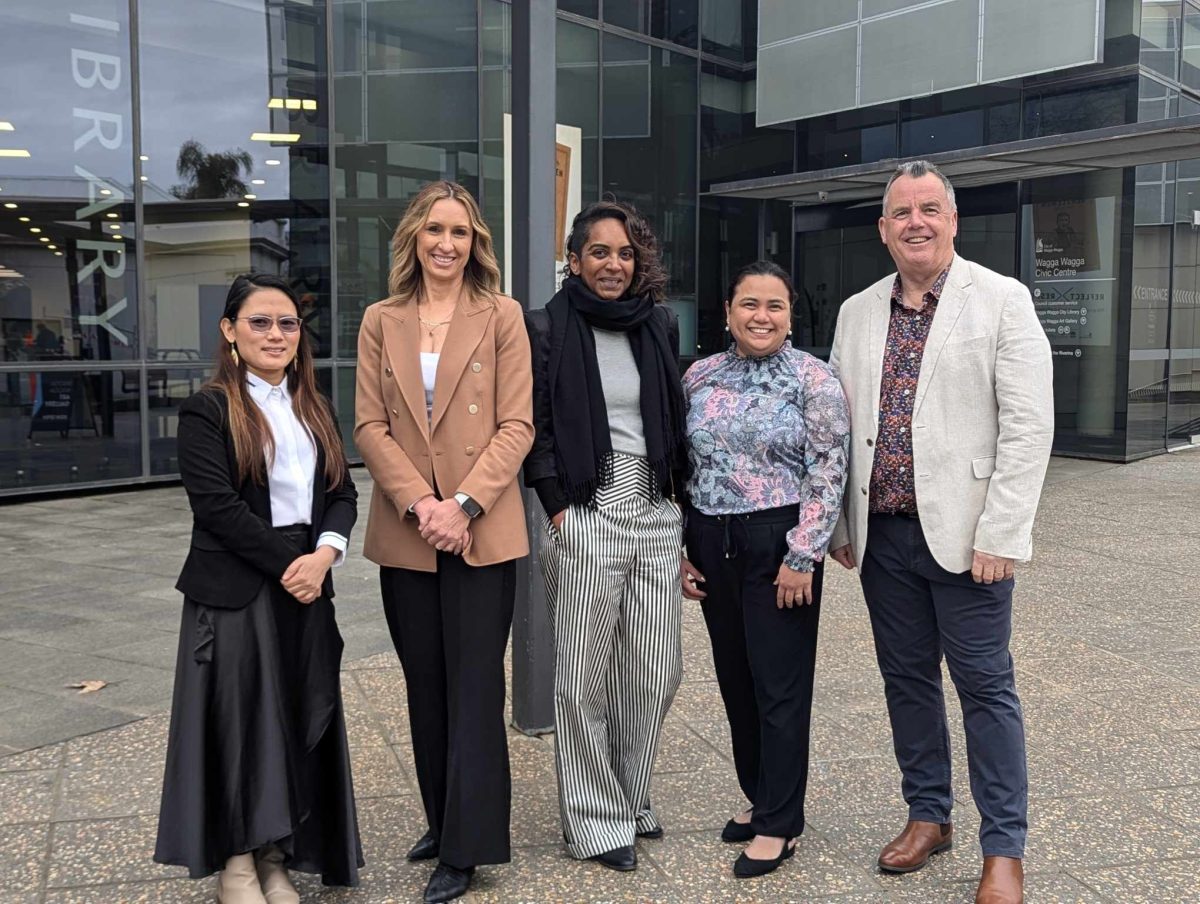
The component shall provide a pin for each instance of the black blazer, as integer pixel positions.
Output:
(541, 468)
(234, 548)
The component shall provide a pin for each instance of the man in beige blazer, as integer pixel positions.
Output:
(949, 379)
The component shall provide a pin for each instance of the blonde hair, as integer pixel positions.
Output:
(482, 275)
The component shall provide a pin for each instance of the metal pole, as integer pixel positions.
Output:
(533, 137)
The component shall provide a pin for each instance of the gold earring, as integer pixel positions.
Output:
(233, 354)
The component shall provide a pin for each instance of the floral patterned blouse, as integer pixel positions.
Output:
(768, 432)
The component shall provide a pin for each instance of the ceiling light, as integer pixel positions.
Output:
(11, 206)
(35, 229)
(144, 178)
(271, 162)
(292, 103)
(106, 191)
(52, 247)
(114, 225)
(6, 126)
(243, 203)
(258, 181)
(265, 136)
(21, 152)
(112, 216)
(309, 105)
(275, 103)
(143, 158)
(23, 219)
(42, 238)
(58, 254)
(250, 197)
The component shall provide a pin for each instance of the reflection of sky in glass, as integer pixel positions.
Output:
(205, 75)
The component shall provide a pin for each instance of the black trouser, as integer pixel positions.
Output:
(764, 658)
(450, 629)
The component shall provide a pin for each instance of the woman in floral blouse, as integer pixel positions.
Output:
(768, 439)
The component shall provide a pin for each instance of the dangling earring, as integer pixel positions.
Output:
(233, 354)
(727, 326)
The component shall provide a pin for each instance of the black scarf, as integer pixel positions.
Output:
(583, 443)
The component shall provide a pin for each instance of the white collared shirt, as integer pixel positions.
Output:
(290, 476)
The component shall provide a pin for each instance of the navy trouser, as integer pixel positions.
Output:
(920, 611)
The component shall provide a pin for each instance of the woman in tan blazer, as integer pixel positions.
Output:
(443, 420)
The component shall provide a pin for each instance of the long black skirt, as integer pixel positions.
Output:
(257, 752)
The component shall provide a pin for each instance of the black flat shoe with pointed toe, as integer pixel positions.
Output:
(426, 847)
(653, 834)
(447, 883)
(737, 832)
(622, 859)
(749, 867)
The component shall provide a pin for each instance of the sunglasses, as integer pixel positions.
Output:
(261, 323)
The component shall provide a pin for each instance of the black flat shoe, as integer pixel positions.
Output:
(653, 834)
(749, 867)
(622, 859)
(447, 883)
(737, 832)
(426, 847)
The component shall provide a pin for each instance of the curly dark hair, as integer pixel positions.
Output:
(649, 275)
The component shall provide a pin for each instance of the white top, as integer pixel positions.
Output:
(429, 363)
(622, 386)
(290, 476)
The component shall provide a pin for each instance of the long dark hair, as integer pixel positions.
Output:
(761, 268)
(253, 442)
(649, 275)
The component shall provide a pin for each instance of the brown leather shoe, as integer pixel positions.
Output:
(911, 849)
(1002, 882)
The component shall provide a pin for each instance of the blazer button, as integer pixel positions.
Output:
(395, 413)
(870, 442)
(473, 408)
(476, 367)
(864, 491)
(387, 371)
(470, 450)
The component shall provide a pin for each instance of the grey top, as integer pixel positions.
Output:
(622, 391)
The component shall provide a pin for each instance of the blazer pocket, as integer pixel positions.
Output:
(983, 467)
(967, 346)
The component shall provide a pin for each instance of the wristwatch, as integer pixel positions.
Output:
(468, 505)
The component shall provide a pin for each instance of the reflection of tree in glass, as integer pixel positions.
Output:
(217, 175)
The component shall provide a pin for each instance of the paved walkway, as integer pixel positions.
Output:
(1107, 642)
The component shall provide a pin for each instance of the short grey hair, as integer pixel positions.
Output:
(915, 169)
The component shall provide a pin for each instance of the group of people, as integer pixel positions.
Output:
(916, 455)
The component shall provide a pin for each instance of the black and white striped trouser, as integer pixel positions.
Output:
(612, 581)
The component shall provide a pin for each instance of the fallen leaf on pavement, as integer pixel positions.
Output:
(86, 687)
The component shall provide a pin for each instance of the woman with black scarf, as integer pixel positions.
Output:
(606, 460)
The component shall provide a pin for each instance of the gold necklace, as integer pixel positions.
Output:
(432, 325)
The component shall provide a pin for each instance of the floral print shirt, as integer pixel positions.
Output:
(893, 490)
(768, 432)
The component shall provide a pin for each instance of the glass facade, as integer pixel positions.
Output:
(150, 150)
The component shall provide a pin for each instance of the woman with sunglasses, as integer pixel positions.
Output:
(258, 769)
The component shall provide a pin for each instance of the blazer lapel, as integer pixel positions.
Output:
(462, 338)
(880, 318)
(401, 336)
(954, 298)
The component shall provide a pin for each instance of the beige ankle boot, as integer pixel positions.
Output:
(277, 888)
(238, 882)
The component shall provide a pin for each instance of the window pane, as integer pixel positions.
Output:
(581, 7)
(1189, 66)
(62, 427)
(168, 383)
(731, 146)
(234, 123)
(578, 96)
(420, 56)
(495, 101)
(672, 20)
(68, 287)
(650, 146)
(1160, 35)
(729, 29)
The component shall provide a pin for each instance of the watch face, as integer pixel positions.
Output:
(470, 506)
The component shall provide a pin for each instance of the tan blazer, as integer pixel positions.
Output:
(983, 419)
(482, 428)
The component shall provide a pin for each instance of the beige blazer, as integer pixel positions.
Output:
(983, 419)
(481, 430)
